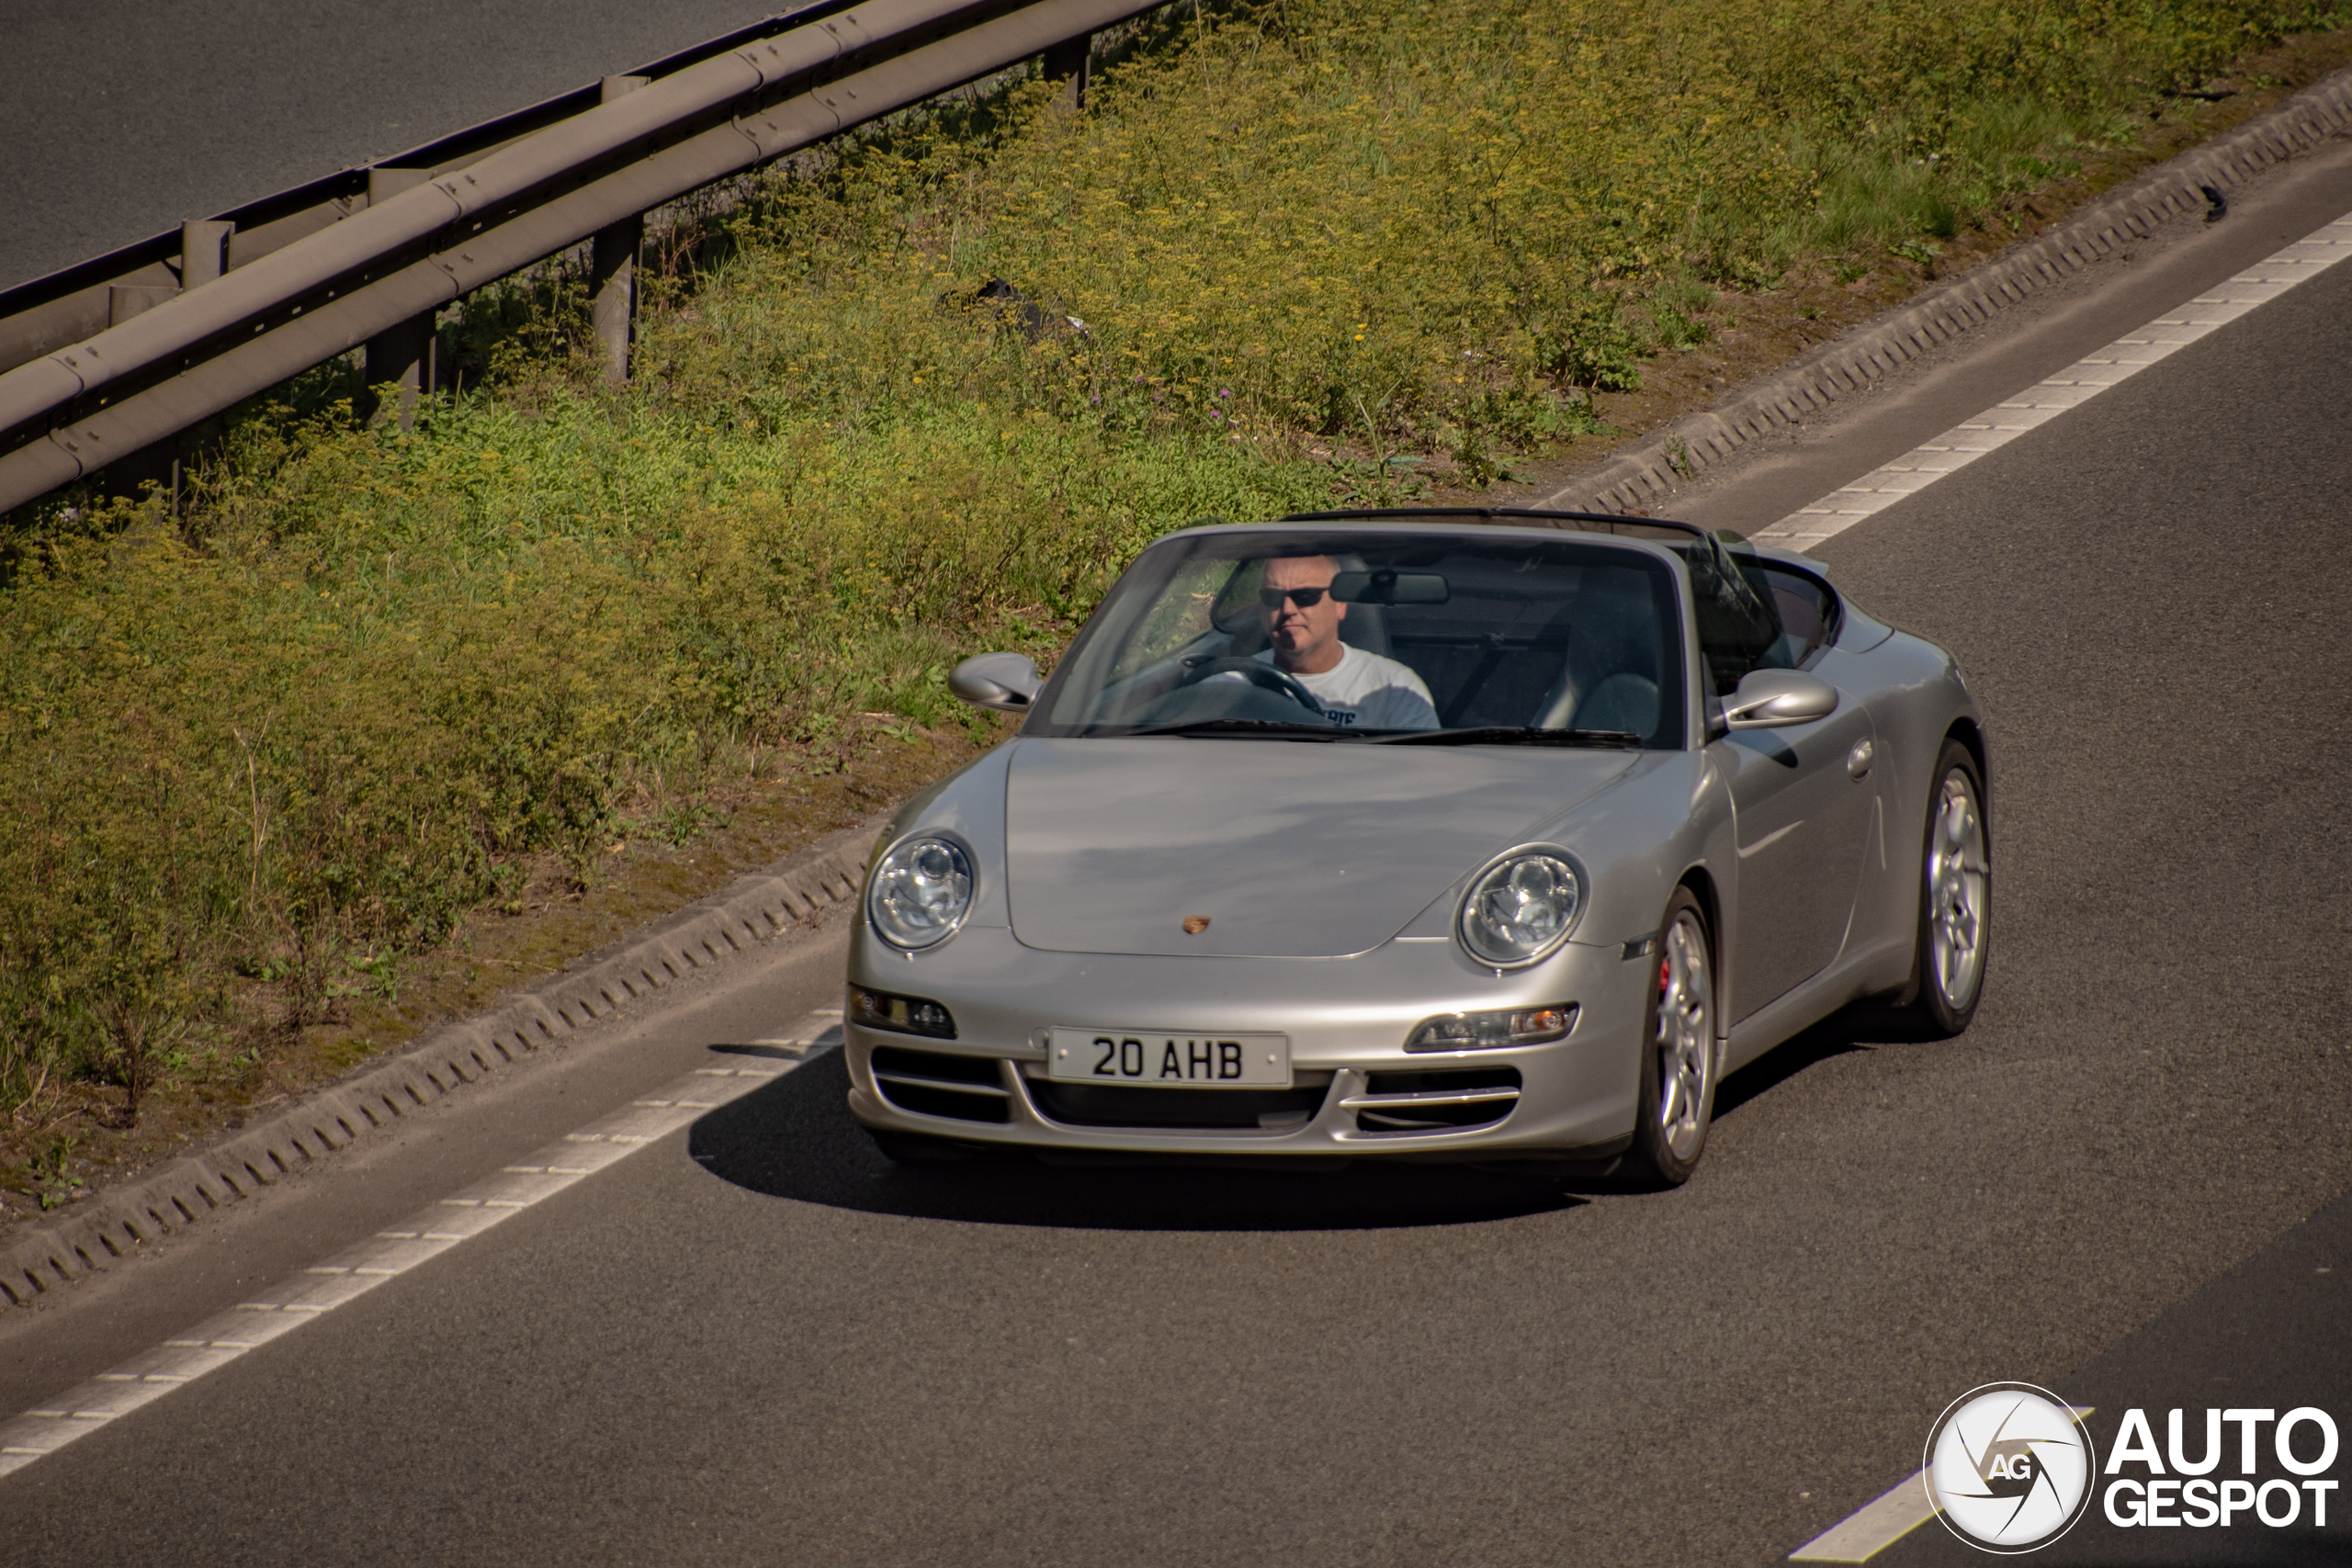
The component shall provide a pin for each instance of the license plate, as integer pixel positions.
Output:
(1163, 1060)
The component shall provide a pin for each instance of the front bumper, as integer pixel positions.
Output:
(1356, 1091)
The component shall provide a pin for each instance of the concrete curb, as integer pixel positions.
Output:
(1648, 472)
(750, 910)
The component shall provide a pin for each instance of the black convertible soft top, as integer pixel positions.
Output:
(1623, 524)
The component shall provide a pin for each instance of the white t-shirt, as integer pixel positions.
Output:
(1365, 691)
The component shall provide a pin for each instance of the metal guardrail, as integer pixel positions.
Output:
(47, 314)
(104, 360)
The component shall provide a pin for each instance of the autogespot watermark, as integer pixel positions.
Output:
(2011, 1468)
(2170, 1487)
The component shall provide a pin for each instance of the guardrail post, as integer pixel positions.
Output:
(402, 355)
(1072, 60)
(204, 250)
(157, 463)
(612, 269)
(204, 256)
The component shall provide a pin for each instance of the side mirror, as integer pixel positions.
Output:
(1005, 682)
(1770, 699)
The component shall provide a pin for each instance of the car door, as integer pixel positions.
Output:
(1801, 819)
(1801, 795)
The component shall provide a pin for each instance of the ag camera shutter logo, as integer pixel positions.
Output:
(2009, 1468)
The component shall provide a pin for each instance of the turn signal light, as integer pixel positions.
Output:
(1485, 1030)
(902, 1015)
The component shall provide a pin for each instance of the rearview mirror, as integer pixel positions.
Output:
(1389, 586)
(1005, 682)
(1770, 699)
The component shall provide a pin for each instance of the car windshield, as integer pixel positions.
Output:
(1406, 637)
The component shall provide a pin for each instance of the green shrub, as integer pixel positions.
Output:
(404, 660)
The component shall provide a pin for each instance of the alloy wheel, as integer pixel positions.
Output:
(1686, 1037)
(1958, 882)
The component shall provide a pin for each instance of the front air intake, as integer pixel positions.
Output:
(1204, 1109)
(935, 1083)
(1440, 1101)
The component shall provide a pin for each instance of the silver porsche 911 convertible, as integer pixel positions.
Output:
(1481, 835)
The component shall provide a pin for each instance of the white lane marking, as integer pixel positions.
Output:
(1872, 1529)
(1890, 1517)
(322, 1287)
(2069, 388)
(1869, 1530)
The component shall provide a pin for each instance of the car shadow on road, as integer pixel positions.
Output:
(1864, 1026)
(795, 1139)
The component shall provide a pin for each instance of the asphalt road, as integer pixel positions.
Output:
(118, 121)
(760, 1342)
(2275, 1334)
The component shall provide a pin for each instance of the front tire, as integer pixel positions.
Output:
(1680, 1057)
(1955, 891)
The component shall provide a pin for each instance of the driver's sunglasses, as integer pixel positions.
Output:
(1305, 598)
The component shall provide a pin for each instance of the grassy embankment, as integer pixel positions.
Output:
(253, 760)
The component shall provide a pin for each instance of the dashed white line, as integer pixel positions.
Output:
(347, 1276)
(2070, 389)
(1872, 1529)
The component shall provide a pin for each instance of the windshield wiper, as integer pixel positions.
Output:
(1270, 727)
(1513, 735)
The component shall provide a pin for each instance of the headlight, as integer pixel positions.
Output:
(1520, 909)
(920, 893)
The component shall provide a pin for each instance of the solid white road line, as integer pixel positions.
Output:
(1880, 1524)
(2071, 387)
(352, 1274)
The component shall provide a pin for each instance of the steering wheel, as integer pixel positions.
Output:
(1259, 674)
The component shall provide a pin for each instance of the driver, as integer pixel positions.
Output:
(1356, 690)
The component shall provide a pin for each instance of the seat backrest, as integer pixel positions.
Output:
(1559, 703)
(1623, 701)
(1366, 626)
(1609, 675)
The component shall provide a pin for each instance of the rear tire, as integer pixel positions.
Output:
(1955, 900)
(1680, 1056)
(917, 1148)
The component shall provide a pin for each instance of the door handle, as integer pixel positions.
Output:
(1859, 760)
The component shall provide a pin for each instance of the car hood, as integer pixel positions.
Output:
(1291, 849)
